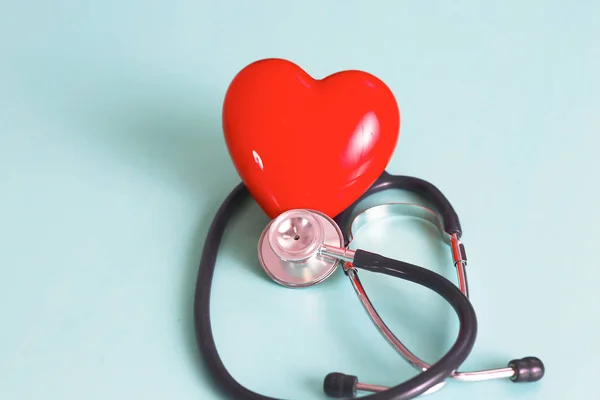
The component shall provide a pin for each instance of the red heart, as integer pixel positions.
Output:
(300, 142)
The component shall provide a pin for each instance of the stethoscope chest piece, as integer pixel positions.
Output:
(288, 249)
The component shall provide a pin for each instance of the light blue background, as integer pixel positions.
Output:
(113, 164)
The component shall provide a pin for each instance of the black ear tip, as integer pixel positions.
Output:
(527, 369)
(340, 385)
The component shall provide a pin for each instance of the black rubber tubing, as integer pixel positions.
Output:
(415, 185)
(407, 390)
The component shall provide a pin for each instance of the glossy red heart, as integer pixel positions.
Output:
(300, 142)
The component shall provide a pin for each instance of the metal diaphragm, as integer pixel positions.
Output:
(288, 249)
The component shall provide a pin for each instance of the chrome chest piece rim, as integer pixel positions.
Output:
(288, 248)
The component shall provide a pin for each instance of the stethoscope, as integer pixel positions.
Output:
(301, 248)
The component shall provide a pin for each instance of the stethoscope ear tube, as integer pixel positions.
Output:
(418, 186)
(338, 385)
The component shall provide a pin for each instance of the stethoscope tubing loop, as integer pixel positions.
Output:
(407, 390)
(467, 334)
